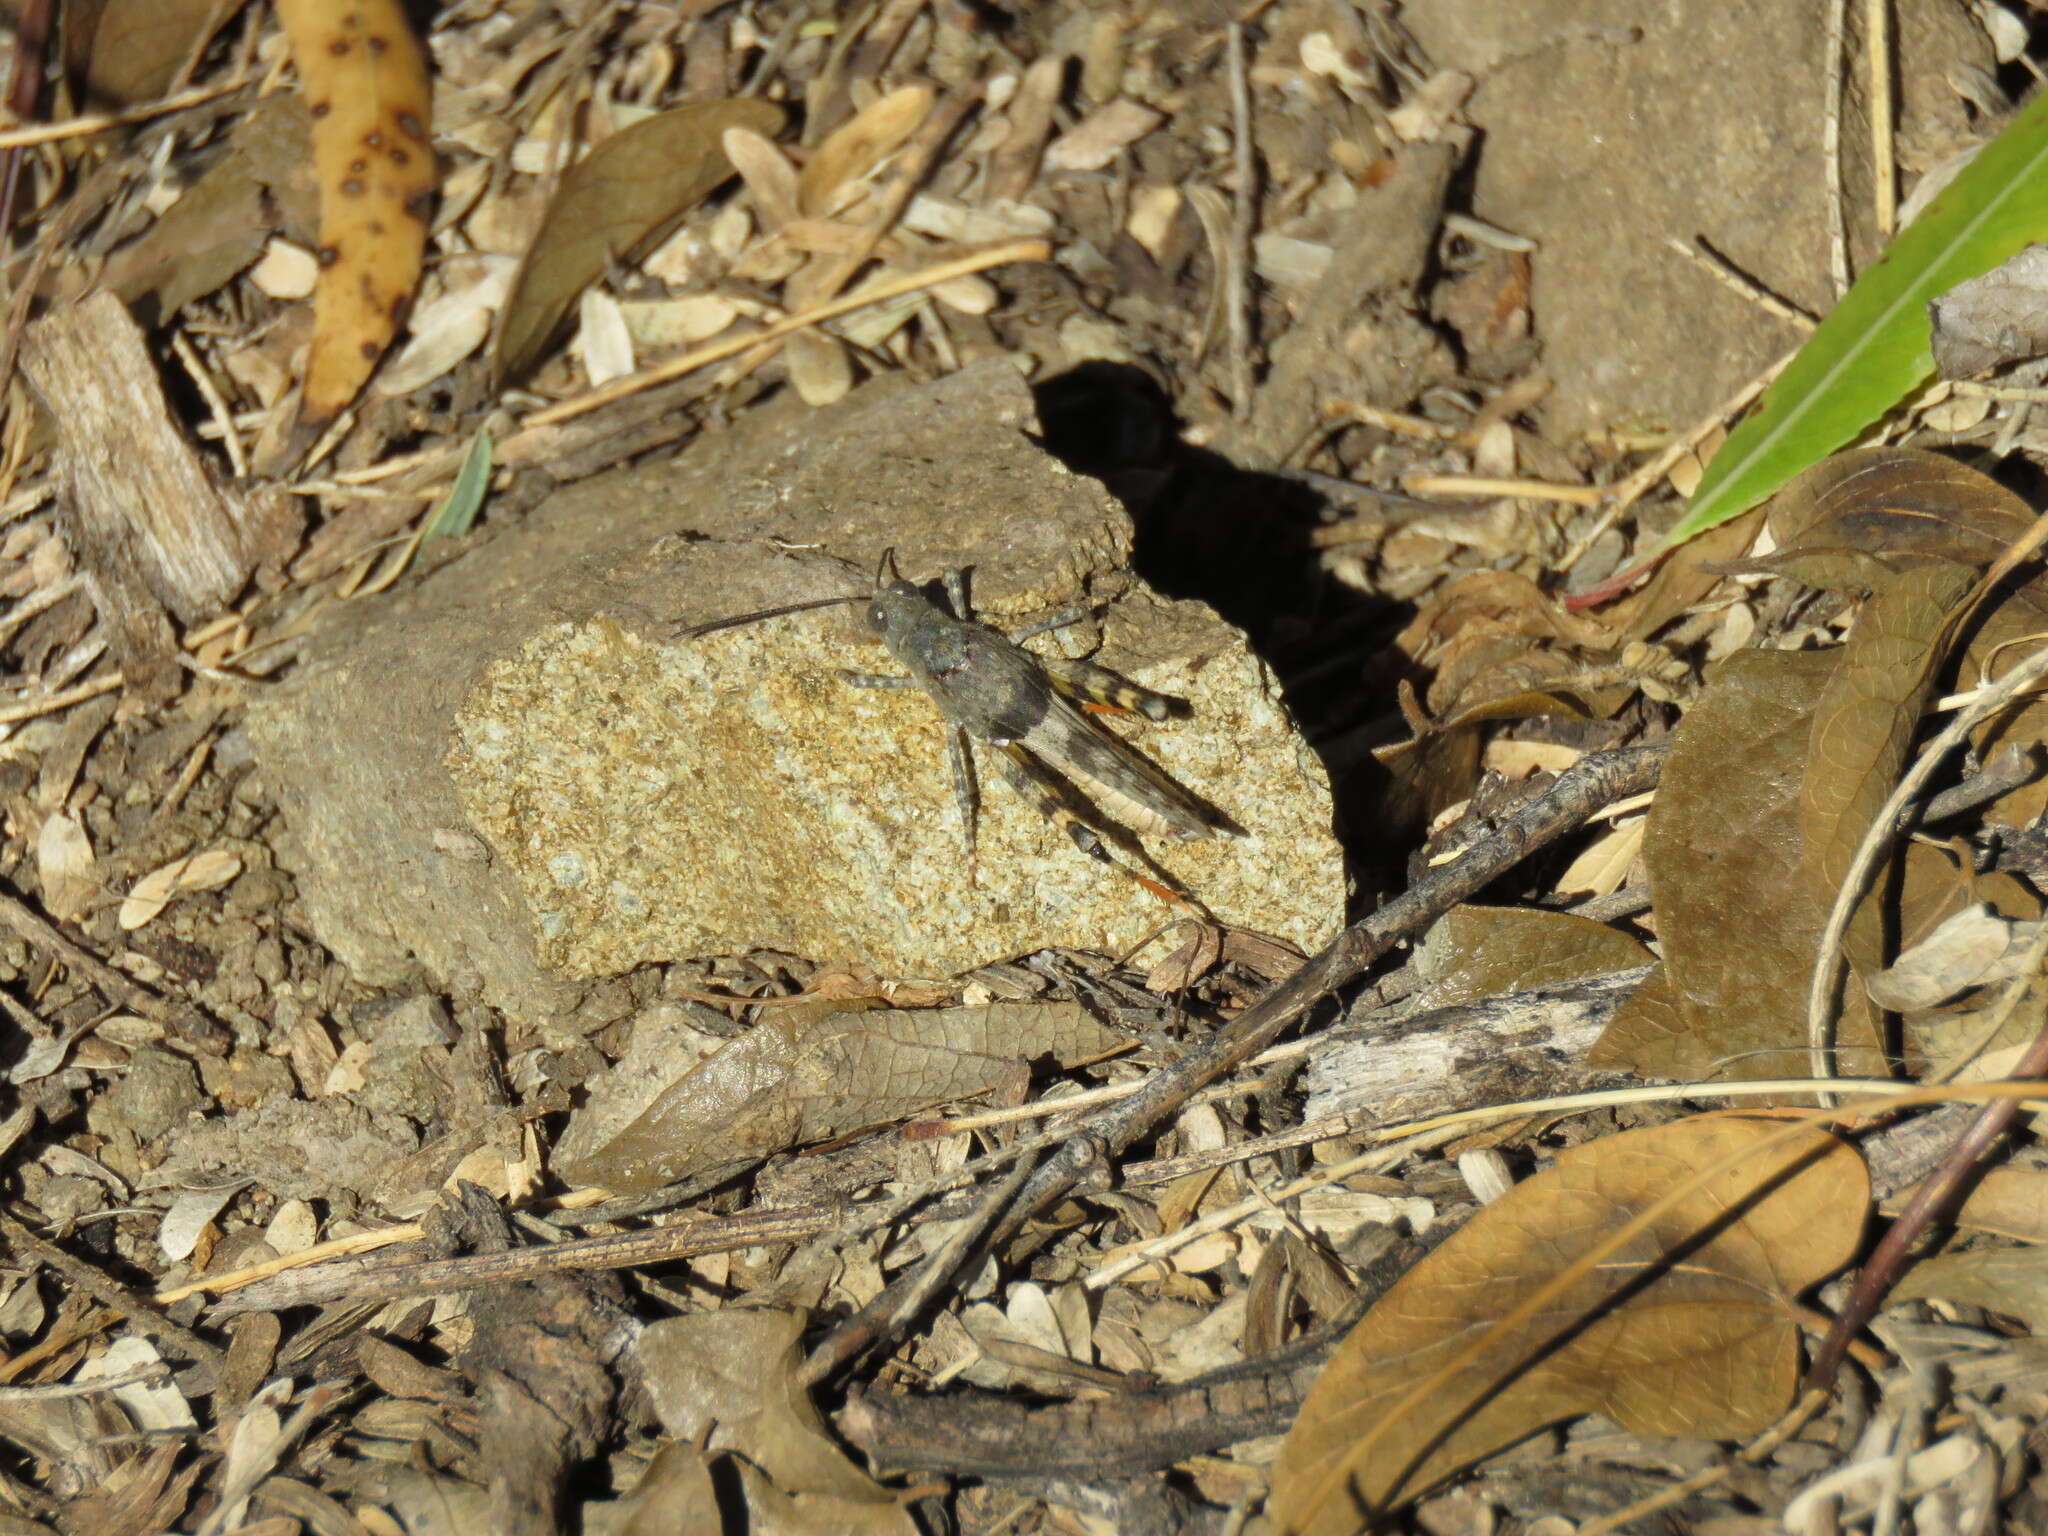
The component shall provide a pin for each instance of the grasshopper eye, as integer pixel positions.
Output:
(878, 617)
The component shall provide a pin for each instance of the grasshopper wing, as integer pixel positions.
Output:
(1135, 789)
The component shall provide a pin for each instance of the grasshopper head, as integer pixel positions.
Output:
(894, 608)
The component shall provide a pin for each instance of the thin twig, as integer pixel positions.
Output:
(1833, 60)
(1243, 209)
(99, 122)
(101, 977)
(1740, 283)
(893, 1308)
(1496, 486)
(1884, 176)
(1628, 492)
(144, 1319)
(230, 439)
(530, 439)
(1937, 1195)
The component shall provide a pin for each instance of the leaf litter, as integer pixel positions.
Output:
(206, 1096)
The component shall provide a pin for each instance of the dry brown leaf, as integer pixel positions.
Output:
(364, 77)
(674, 1497)
(66, 867)
(615, 204)
(1864, 723)
(853, 149)
(1898, 501)
(1706, 1347)
(808, 1073)
(1477, 952)
(1738, 921)
(204, 871)
(263, 182)
(2010, 1201)
(1689, 575)
(2013, 1281)
(131, 50)
(726, 1381)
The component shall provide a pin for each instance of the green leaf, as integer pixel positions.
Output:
(459, 507)
(1873, 349)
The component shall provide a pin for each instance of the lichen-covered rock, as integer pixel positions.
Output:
(515, 775)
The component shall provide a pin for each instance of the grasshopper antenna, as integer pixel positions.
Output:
(714, 625)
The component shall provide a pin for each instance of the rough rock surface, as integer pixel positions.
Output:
(1611, 127)
(512, 775)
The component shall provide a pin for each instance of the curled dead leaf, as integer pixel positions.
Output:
(364, 76)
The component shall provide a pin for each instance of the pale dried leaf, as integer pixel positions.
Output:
(1153, 211)
(819, 367)
(603, 344)
(285, 270)
(465, 294)
(969, 295)
(679, 322)
(66, 867)
(1964, 951)
(204, 871)
(152, 1405)
(853, 149)
(1102, 135)
(1287, 261)
(187, 1219)
(769, 176)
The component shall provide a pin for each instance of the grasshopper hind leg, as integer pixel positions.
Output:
(1089, 684)
(1049, 794)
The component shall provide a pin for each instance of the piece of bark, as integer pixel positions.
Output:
(541, 1362)
(1523, 1045)
(147, 519)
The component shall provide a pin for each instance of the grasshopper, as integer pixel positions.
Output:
(1029, 709)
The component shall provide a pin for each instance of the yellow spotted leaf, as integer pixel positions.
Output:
(364, 76)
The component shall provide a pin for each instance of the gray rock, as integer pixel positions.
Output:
(512, 775)
(155, 1094)
(1610, 127)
